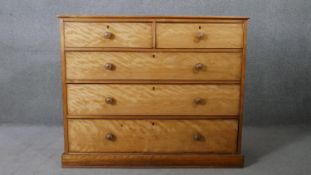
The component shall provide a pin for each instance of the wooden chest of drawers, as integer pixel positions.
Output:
(153, 91)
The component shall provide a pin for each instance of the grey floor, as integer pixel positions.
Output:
(35, 150)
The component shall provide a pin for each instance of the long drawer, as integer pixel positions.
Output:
(152, 66)
(112, 99)
(166, 136)
(113, 34)
(199, 35)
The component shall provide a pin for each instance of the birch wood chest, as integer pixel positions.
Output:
(153, 91)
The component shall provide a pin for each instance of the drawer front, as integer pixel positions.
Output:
(212, 136)
(152, 66)
(108, 35)
(107, 99)
(199, 35)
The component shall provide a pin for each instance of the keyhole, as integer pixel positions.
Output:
(107, 26)
(200, 27)
(153, 88)
(152, 123)
(153, 55)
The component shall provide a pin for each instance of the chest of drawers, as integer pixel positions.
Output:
(153, 91)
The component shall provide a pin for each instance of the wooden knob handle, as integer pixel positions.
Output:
(110, 136)
(197, 137)
(199, 66)
(200, 35)
(109, 100)
(109, 66)
(198, 100)
(108, 35)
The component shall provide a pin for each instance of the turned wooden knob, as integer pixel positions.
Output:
(109, 66)
(198, 100)
(109, 136)
(108, 35)
(199, 66)
(109, 100)
(200, 35)
(197, 137)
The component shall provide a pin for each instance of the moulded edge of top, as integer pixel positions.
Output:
(154, 17)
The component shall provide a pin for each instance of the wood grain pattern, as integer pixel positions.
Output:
(152, 66)
(173, 82)
(84, 99)
(151, 160)
(64, 92)
(153, 106)
(242, 82)
(154, 117)
(201, 50)
(181, 35)
(164, 136)
(137, 35)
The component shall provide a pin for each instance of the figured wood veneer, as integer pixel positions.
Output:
(153, 91)
(86, 99)
(123, 34)
(153, 66)
(183, 35)
(147, 136)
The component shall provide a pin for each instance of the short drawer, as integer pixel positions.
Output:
(152, 66)
(112, 99)
(199, 35)
(166, 136)
(138, 35)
